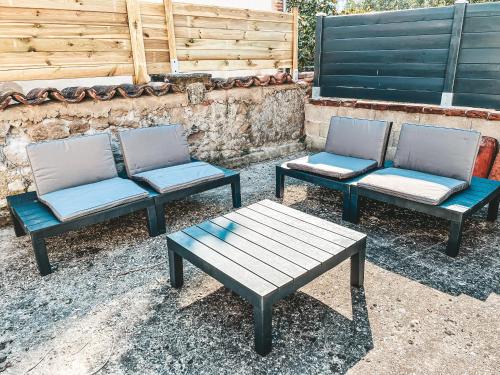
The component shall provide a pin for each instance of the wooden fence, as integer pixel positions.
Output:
(51, 39)
(446, 55)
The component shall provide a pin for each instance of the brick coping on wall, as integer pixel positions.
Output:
(479, 113)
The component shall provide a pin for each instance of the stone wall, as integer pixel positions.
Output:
(230, 127)
(319, 112)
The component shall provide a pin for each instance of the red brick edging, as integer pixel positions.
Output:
(485, 114)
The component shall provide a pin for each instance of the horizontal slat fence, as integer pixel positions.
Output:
(478, 73)
(448, 55)
(50, 39)
(386, 56)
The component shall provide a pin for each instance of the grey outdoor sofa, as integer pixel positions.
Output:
(77, 185)
(431, 173)
(353, 148)
(158, 157)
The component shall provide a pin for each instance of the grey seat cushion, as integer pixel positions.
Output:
(62, 164)
(75, 202)
(178, 177)
(152, 148)
(332, 165)
(358, 138)
(412, 185)
(440, 151)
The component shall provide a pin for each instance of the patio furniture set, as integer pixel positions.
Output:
(264, 251)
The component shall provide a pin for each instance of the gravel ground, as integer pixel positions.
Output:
(109, 308)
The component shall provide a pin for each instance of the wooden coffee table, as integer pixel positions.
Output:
(265, 252)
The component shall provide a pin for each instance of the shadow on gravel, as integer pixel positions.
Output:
(413, 244)
(215, 335)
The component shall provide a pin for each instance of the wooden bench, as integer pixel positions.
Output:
(30, 216)
(456, 209)
(265, 252)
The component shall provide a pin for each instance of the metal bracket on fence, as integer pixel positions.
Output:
(174, 65)
(316, 92)
(446, 99)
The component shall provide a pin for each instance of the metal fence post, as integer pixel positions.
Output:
(453, 53)
(316, 90)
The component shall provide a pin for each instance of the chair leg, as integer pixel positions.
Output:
(353, 206)
(346, 206)
(280, 183)
(262, 315)
(358, 268)
(176, 269)
(42, 259)
(18, 228)
(455, 238)
(236, 193)
(493, 209)
(152, 221)
(160, 218)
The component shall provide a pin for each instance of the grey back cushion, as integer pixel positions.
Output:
(359, 138)
(71, 162)
(436, 150)
(152, 148)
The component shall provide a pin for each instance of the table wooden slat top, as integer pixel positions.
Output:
(266, 246)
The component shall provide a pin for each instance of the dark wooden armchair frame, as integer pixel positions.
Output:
(32, 217)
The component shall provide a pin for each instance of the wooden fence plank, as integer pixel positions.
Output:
(111, 6)
(231, 44)
(386, 69)
(201, 33)
(411, 42)
(137, 42)
(429, 56)
(391, 29)
(388, 82)
(63, 45)
(81, 71)
(17, 59)
(172, 45)
(214, 65)
(230, 24)
(54, 31)
(225, 12)
(411, 15)
(200, 54)
(50, 16)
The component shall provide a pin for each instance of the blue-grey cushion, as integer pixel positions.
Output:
(178, 177)
(65, 163)
(152, 148)
(412, 185)
(358, 138)
(75, 202)
(440, 151)
(332, 165)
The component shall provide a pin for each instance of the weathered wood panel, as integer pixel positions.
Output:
(50, 39)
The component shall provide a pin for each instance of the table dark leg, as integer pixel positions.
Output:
(160, 218)
(42, 259)
(455, 238)
(176, 271)
(152, 220)
(358, 268)
(280, 183)
(262, 314)
(493, 209)
(236, 193)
